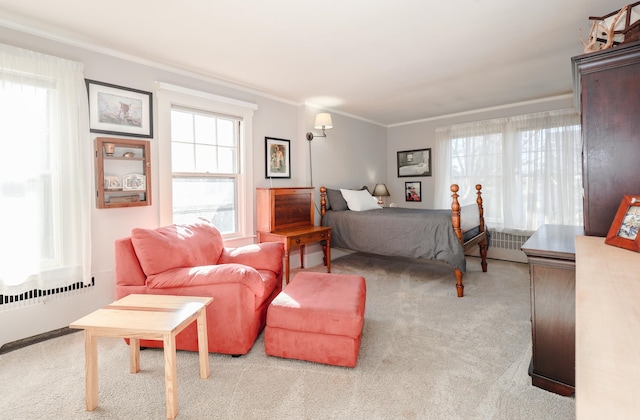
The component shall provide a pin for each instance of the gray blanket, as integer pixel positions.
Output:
(401, 232)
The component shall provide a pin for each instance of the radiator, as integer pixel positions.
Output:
(36, 296)
(501, 240)
(505, 246)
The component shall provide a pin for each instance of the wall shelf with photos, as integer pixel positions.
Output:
(123, 173)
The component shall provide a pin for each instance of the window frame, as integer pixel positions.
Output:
(171, 96)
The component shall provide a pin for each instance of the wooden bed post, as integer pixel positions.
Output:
(459, 285)
(323, 203)
(483, 243)
(455, 212)
(455, 221)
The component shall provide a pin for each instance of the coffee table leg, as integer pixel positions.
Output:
(134, 355)
(171, 375)
(203, 343)
(91, 370)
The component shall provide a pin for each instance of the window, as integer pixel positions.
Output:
(530, 167)
(205, 165)
(206, 161)
(45, 186)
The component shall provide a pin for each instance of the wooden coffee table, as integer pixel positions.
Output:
(150, 317)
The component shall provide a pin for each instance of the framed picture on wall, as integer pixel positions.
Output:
(624, 230)
(119, 110)
(277, 158)
(413, 191)
(414, 163)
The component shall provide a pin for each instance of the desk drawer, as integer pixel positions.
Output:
(307, 238)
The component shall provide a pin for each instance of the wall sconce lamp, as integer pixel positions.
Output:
(380, 190)
(323, 121)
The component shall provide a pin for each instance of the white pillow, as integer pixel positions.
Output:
(360, 200)
(469, 217)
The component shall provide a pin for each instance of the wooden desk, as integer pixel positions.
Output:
(286, 215)
(607, 331)
(151, 317)
(551, 255)
(300, 237)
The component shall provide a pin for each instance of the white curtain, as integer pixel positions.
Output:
(45, 173)
(530, 168)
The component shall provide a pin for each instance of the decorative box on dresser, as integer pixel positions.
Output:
(551, 254)
(606, 89)
(607, 331)
(286, 215)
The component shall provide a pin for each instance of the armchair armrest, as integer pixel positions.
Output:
(208, 276)
(262, 256)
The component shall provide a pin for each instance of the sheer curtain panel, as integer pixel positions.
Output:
(530, 168)
(45, 177)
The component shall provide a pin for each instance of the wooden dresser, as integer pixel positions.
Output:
(607, 331)
(286, 215)
(551, 254)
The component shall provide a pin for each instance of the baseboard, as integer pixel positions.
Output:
(18, 344)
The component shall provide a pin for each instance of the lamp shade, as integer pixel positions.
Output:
(380, 190)
(323, 121)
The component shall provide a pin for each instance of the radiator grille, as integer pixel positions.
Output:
(503, 240)
(36, 296)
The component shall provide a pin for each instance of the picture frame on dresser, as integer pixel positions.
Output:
(625, 229)
(277, 158)
(119, 110)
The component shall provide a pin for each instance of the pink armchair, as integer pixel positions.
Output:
(190, 260)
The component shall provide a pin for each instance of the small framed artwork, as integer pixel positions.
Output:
(134, 182)
(119, 110)
(278, 158)
(413, 191)
(623, 232)
(414, 163)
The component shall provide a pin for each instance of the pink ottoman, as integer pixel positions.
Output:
(318, 317)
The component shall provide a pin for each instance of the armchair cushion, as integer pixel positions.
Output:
(176, 246)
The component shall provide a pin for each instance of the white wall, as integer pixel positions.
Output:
(274, 118)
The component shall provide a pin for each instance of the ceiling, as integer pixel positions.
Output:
(383, 61)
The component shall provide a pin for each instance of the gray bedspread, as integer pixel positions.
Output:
(401, 232)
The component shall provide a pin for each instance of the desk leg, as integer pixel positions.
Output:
(203, 343)
(171, 375)
(91, 370)
(326, 249)
(134, 355)
(286, 264)
(301, 250)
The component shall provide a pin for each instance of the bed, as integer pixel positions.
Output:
(442, 235)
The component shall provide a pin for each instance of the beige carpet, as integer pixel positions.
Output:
(425, 354)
